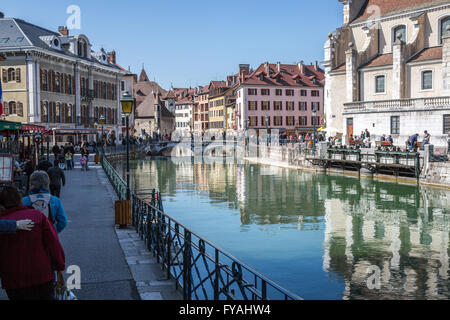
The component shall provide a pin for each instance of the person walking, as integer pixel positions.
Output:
(41, 199)
(55, 151)
(85, 154)
(69, 158)
(27, 259)
(56, 175)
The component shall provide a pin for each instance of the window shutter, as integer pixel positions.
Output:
(5, 75)
(41, 76)
(18, 78)
(20, 109)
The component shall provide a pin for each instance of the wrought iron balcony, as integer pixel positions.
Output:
(408, 104)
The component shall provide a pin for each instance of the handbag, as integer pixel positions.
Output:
(63, 293)
(61, 290)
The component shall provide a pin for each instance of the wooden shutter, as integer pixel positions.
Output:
(19, 109)
(18, 77)
(41, 77)
(4, 75)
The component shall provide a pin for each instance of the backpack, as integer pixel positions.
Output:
(41, 202)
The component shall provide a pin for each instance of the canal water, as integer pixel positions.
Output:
(320, 236)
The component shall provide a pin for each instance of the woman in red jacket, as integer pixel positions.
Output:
(27, 258)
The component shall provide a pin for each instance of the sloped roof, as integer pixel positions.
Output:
(147, 108)
(380, 60)
(143, 76)
(390, 7)
(433, 53)
(285, 77)
(23, 34)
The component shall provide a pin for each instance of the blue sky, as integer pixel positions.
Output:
(189, 43)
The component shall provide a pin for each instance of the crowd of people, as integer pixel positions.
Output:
(31, 256)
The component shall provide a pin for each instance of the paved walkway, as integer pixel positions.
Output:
(114, 263)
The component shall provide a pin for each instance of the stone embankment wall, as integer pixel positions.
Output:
(433, 173)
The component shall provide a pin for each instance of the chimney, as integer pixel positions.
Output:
(316, 66)
(267, 67)
(279, 66)
(301, 67)
(63, 31)
(112, 57)
(244, 69)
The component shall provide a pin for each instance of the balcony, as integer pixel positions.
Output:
(397, 105)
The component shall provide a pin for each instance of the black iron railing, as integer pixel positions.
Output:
(200, 268)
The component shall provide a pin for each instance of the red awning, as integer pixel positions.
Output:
(29, 127)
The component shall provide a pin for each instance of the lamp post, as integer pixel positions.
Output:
(102, 122)
(314, 128)
(127, 102)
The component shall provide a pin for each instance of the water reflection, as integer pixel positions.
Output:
(403, 230)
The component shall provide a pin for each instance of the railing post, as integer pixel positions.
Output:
(187, 289)
(168, 250)
(217, 274)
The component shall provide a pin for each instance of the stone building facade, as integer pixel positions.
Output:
(385, 70)
(55, 80)
(284, 94)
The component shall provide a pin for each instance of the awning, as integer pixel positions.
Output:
(9, 125)
(30, 127)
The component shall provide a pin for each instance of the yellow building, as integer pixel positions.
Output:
(222, 101)
(217, 106)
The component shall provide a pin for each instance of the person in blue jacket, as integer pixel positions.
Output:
(39, 188)
(10, 226)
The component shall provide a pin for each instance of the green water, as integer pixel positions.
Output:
(320, 236)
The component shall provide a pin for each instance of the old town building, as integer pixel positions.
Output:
(387, 70)
(55, 79)
(286, 95)
(201, 111)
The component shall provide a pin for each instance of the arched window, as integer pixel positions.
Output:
(58, 82)
(58, 113)
(445, 22)
(44, 111)
(69, 84)
(399, 31)
(11, 74)
(44, 80)
(69, 113)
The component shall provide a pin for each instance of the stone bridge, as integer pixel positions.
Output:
(188, 149)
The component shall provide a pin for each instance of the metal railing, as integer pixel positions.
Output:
(417, 103)
(200, 268)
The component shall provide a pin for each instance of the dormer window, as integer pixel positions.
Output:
(82, 48)
(399, 33)
(56, 42)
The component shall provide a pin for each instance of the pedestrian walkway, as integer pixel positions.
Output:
(114, 265)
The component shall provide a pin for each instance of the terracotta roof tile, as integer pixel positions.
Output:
(388, 7)
(427, 54)
(379, 61)
(288, 75)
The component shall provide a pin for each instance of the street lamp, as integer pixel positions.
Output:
(102, 122)
(127, 103)
(314, 135)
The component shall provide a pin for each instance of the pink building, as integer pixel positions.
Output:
(285, 94)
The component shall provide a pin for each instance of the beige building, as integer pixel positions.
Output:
(56, 80)
(387, 70)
